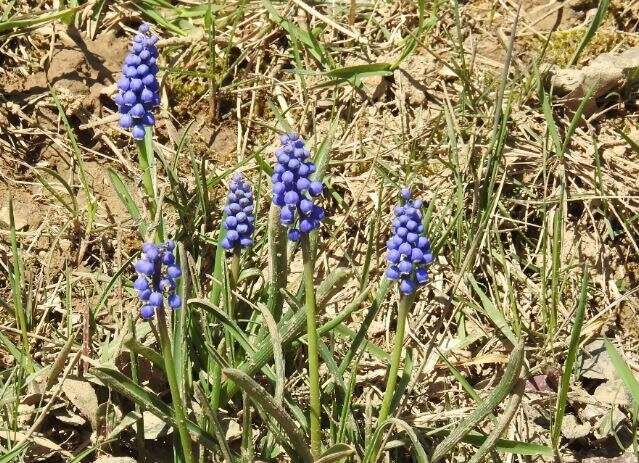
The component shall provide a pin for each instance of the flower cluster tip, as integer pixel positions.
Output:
(157, 274)
(138, 89)
(293, 189)
(408, 250)
(239, 214)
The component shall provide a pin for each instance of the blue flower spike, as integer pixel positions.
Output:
(157, 271)
(408, 250)
(239, 214)
(138, 89)
(293, 190)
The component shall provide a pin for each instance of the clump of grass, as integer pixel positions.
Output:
(563, 43)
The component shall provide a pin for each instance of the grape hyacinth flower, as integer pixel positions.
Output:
(138, 89)
(157, 271)
(293, 190)
(239, 214)
(408, 257)
(408, 249)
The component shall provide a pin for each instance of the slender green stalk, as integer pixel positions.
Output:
(16, 291)
(247, 444)
(139, 424)
(235, 275)
(247, 438)
(277, 262)
(178, 405)
(405, 303)
(313, 351)
(146, 160)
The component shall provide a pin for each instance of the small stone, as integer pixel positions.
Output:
(597, 363)
(19, 220)
(613, 392)
(233, 432)
(571, 429)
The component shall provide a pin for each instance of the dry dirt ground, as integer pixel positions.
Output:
(429, 123)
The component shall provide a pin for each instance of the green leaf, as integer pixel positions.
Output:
(493, 313)
(117, 381)
(597, 20)
(15, 276)
(293, 328)
(277, 261)
(217, 428)
(222, 317)
(511, 375)
(420, 454)
(266, 404)
(623, 370)
(73, 207)
(25, 21)
(278, 356)
(12, 455)
(361, 71)
(336, 453)
(148, 353)
(502, 445)
(127, 200)
(312, 45)
(562, 397)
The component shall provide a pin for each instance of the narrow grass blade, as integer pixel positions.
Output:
(573, 347)
(493, 313)
(361, 71)
(72, 207)
(127, 200)
(23, 21)
(503, 445)
(148, 353)
(217, 428)
(420, 453)
(278, 356)
(16, 290)
(13, 454)
(264, 400)
(92, 204)
(597, 20)
(223, 318)
(336, 453)
(59, 363)
(109, 286)
(293, 328)
(623, 370)
(312, 45)
(360, 337)
(500, 427)
(511, 374)
(138, 394)
(117, 381)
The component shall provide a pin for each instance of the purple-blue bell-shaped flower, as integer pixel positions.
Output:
(239, 214)
(157, 272)
(293, 190)
(138, 89)
(408, 250)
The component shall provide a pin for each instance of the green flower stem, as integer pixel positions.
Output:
(139, 424)
(178, 404)
(313, 356)
(405, 303)
(146, 160)
(234, 277)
